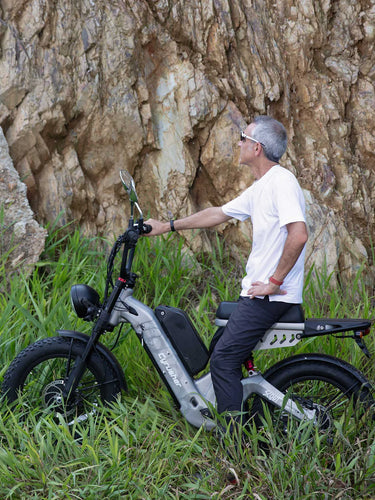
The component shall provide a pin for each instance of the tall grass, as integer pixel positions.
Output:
(141, 447)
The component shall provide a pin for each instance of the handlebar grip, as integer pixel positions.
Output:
(147, 228)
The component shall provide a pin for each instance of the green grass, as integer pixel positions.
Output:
(141, 447)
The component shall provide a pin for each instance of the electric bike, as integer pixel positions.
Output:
(73, 372)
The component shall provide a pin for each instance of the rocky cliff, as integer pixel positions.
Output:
(162, 88)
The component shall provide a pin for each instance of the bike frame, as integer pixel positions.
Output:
(195, 397)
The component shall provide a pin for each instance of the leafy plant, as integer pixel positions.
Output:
(141, 447)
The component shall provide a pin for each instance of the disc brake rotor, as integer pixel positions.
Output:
(322, 413)
(323, 417)
(52, 397)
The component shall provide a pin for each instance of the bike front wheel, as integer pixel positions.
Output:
(334, 389)
(38, 374)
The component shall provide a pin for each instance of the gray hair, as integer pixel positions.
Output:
(272, 135)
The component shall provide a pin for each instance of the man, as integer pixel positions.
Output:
(274, 270)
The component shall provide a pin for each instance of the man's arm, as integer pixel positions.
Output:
(294, 243)
(208, 217)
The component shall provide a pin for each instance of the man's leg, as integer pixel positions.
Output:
(249, 322)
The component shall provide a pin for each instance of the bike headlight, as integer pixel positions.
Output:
(85, 301)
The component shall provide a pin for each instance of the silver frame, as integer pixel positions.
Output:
(197, 396)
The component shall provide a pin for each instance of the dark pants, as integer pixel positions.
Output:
(248, 323)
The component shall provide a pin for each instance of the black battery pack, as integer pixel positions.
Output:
(184, 338)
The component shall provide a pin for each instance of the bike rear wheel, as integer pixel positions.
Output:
(336, 390)
(38, 375)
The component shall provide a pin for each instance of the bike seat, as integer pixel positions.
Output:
(294, 315)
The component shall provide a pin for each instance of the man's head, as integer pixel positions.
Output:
(272, 135)
(269, 134)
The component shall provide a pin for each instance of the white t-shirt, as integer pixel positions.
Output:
(273, 201)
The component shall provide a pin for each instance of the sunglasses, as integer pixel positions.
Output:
(244, 137)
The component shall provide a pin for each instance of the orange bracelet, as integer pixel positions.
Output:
(275, 281)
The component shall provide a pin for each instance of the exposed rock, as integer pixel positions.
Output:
(22, 239)
(162, 88)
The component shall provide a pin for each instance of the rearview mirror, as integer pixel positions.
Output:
(129, 185)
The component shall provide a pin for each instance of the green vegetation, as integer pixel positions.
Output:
(141, 447)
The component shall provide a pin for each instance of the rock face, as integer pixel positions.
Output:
(162, 88)
(22, 239)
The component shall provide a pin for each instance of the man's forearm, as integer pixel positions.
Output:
(295, 241)
(209, 217)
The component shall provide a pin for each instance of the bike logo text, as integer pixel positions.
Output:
(172, 373)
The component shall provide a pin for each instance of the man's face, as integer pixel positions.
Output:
(247, 147)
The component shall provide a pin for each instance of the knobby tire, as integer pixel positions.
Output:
(38, 372)
(332, 387)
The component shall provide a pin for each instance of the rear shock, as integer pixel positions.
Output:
(250, 367)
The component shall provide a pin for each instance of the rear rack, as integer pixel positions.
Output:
(322, 326)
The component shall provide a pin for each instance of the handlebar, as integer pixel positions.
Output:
(146, 228)
(129, 240)
(141, 228)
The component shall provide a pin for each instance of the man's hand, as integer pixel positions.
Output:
(260, 289)
(157, 227)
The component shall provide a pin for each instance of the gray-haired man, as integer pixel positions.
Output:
(274, 270)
